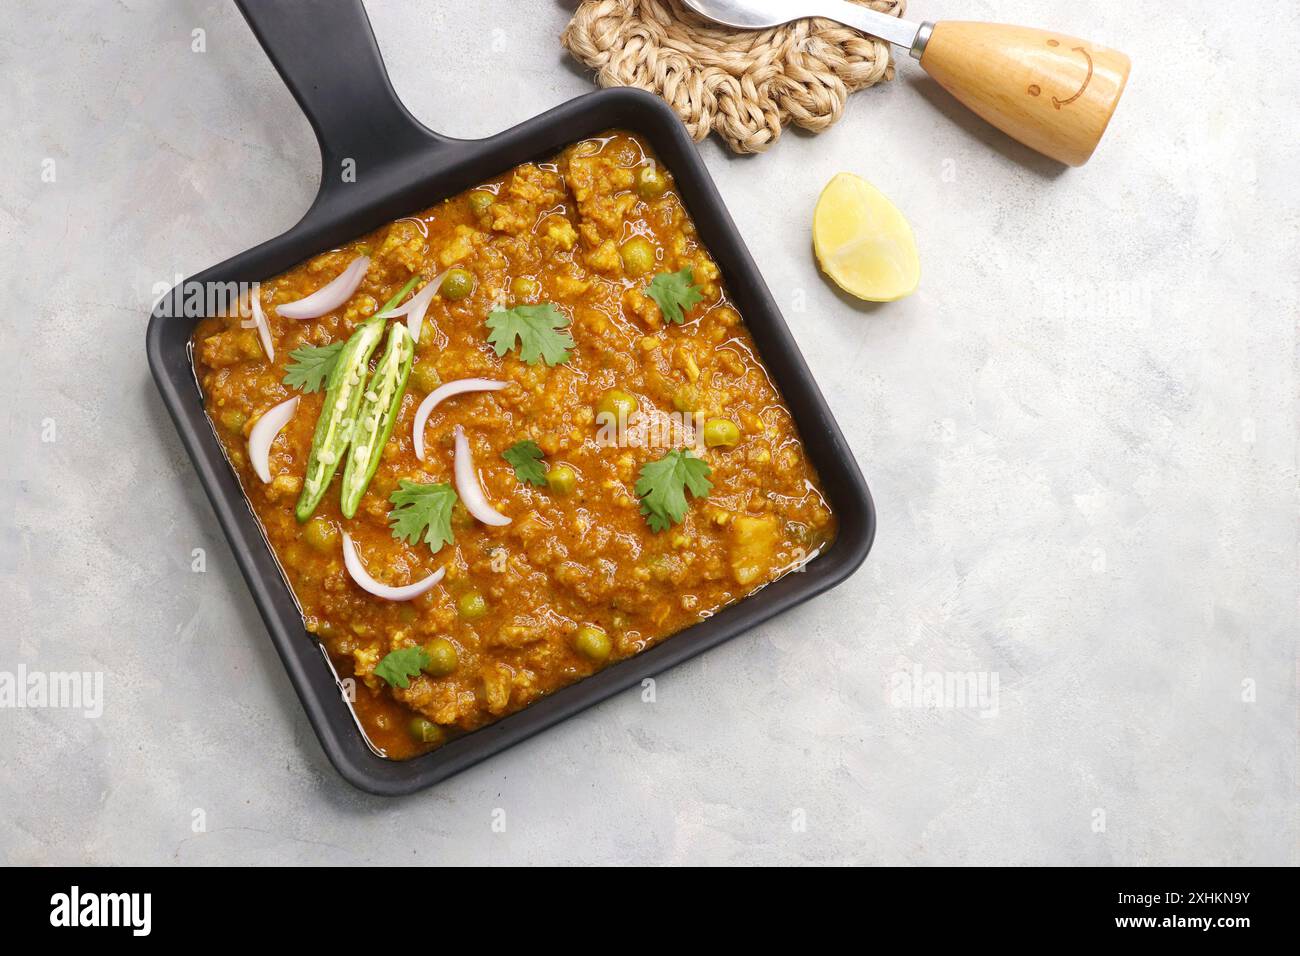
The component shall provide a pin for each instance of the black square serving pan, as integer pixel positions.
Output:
(326, 54)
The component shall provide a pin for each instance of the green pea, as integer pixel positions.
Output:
(456, 284)
(321, 534)
(617, 404)
(720, 432)
(593, 643)
(480, 200)
(234, 419)
(442, 657)
(561, 479)
(426, 731)
(651, 183)
(638, 255)
(425, 377)
(471, 605)
(525, 287)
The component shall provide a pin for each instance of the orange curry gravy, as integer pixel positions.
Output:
(548, 232)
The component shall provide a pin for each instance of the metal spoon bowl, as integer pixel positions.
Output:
(759, 14)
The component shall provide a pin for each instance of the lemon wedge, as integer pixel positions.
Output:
(863, 242)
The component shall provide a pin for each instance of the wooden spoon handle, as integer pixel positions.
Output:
(1054, 93)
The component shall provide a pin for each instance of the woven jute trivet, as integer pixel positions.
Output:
(743, 85)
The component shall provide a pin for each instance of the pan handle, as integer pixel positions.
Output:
(325, 52)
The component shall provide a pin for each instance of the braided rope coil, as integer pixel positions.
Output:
(743, 85)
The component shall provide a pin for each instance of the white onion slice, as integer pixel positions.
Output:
(352, 561)
(254, 298)
(263, 435)
(263, 328)
(416, 306)
(328, 297)
(458, 387)
(258, 321)
(470, 491)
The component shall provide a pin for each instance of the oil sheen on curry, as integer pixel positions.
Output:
(505, 442)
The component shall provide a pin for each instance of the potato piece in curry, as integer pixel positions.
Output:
(578, 578)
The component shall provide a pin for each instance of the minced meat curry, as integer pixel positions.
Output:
(607, 464)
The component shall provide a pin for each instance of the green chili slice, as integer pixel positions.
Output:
(381, 401)
(343, 394)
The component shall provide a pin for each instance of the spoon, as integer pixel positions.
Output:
(1052, 92)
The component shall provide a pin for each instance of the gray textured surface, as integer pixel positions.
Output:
(1081, 436)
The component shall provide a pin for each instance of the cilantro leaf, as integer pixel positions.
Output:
(312, 365)
(675, 293)
(398, 667)
(663, 485)
(422, 509)
(526, 458)
(539, 328)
